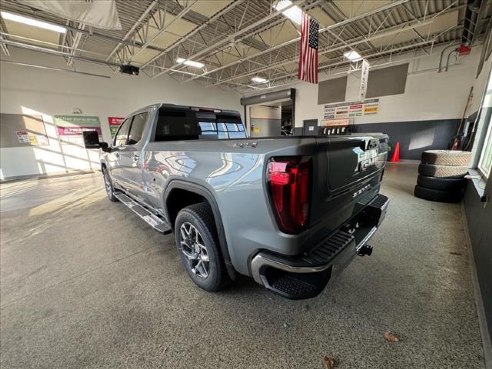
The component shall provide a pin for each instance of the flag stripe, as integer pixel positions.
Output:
(308, 53)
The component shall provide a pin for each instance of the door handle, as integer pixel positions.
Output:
(117, 155)
(135, 158)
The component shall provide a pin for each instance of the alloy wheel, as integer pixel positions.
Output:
(194, 249)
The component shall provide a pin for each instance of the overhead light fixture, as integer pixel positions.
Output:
(294, 13)
(257, 79)
(190, 63)
(33, 22)
(352, 55)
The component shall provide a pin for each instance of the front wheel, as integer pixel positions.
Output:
(197, 242)
(108, 185)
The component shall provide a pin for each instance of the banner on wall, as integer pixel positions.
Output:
(351, 109)
(114, 124)
(364, 76)
(71, 127)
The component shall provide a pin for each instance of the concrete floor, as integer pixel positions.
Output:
(87, 284)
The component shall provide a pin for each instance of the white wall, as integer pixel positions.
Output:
(428, 95)
(26, 90)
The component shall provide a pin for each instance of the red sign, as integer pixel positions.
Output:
(115, 121)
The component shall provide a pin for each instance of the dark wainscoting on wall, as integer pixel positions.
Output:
(415, 136)
(479, 219)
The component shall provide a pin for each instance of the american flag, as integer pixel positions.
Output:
(308, 55)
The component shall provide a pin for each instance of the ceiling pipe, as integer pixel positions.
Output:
(449, 56)
(58, 53)
(439, 70)
(55, 69)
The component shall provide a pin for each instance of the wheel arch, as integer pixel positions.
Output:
(197, 193)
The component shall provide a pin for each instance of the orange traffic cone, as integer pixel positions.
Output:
(395, 158)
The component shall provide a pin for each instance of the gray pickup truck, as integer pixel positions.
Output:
(290, 212)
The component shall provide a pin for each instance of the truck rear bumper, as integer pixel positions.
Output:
(306, 275)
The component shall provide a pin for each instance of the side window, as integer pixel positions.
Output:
(122, 134)
(137, 128)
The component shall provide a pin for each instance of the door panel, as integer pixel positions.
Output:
(114, 157)
(130, 161)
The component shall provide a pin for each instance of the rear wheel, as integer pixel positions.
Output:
(198, 246)
(108, 185)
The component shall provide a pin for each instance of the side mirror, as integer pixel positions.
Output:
(91, 141)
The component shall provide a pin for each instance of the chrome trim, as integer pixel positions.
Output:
(261, 260)
(366, 238)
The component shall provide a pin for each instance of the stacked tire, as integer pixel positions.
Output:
(441, 175)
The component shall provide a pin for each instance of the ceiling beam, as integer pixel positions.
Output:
(195, 31)
(430, 41)
(236, 37)
(295, 40)
(350, 43)
(186, 8)
(143, 17)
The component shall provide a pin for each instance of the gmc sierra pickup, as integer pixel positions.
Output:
(290, 212)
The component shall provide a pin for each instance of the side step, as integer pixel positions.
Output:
(154, 221)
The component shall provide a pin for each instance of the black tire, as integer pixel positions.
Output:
(108, 185)
(442, 171)
(200, 216)
(438, 195)
(444, 184)
(446, 157)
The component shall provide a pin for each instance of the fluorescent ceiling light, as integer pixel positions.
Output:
(190, 63)
(294, 13)
(259, 80)
(33, 22)
(352, 55)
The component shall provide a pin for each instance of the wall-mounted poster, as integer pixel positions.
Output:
(70, 127)
(114, 124)
(19, 130)
(351, 109)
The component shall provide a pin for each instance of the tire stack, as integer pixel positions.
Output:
(441, 175)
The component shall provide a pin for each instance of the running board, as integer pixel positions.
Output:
(154, 221)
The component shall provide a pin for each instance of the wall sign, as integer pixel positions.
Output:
(351, 109)
(70, 127)
(114, 124)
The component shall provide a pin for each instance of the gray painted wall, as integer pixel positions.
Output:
(479, 221)
(415, 136)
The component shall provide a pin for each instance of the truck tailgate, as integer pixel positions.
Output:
(347, 172)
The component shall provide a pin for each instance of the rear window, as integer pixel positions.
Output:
(189, 125)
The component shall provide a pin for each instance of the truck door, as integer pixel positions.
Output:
(130, 161)
(114, 157)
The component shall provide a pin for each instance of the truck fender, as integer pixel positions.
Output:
(205, 193)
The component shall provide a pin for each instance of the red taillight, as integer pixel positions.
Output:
(289, 182)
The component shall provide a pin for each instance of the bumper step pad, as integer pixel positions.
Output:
(153, 220)
(306, 275)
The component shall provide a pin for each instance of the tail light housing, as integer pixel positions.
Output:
(289, 184)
